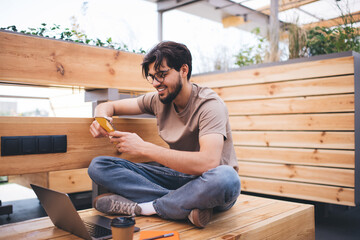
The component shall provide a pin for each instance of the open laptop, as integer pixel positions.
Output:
(63, 214)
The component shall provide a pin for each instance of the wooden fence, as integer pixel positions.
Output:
(294, 124)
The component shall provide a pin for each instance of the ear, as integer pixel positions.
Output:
(184, 70)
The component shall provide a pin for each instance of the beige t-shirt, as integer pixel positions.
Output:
(205, 113)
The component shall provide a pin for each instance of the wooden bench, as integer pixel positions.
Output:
(296, 126)
(250, 218)
(25, 60)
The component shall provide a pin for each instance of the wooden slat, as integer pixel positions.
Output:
(82, 147)
(286, 5)
(352, 17)
(279, 227)
(284, 72)
(318, 122)
(41, 179)
(43, 61)
(319, 86)
(69, 181)
(313, 192)
(250, 215)
(243, 206)
(318, 104)
(334, 140)
(217, 228)
(310, 157)
(296, 173)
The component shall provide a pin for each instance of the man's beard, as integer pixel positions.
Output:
(173, 95)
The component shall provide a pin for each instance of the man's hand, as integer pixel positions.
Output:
(97, 131)
(127, 142)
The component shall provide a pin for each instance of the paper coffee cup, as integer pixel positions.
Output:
(122, 228)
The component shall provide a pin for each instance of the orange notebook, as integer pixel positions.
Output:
(150, 234)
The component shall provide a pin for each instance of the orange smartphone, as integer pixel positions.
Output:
(105, 124)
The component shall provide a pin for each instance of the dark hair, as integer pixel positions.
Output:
(175, 54)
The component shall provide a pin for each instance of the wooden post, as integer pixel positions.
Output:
(160, 26)
(274, 31)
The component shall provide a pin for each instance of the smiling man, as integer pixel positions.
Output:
(197, 174)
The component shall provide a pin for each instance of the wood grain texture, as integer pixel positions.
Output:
(260, 218)
(312, 192)
(309, 157)
(308, 87)
(313, 139)
(297, 173)
(314, 104)
(284, 72)
(303, 122)
(70, 181)
(278, 227)
(43, 61)
(82, 147)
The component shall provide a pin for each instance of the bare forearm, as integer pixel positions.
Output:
(190, 162)
(104, 110)
(194, 163)
(127, 106)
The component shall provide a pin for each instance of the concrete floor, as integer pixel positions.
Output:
(332, 222)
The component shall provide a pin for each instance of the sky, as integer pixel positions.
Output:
(132, 22)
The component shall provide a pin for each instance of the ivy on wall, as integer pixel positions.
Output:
(56, 32)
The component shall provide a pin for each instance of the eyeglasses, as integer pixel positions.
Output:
(159, 76)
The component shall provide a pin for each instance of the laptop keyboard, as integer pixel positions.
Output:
(97, 231)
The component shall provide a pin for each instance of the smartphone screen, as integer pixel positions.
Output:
(105, 124)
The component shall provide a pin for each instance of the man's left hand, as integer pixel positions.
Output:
(127, 142)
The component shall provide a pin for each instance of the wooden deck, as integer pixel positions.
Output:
(250, 218)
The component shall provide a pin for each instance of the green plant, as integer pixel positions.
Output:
(323, 40)
(255, 54)
(343, 37)
(67, 34)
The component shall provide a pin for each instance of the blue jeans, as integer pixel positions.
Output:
(174, 193)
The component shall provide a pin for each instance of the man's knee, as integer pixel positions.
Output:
(96, 166)
(228, 180)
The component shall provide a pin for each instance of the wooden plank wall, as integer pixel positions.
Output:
(42, 61)
(293, 128)
(293, 124)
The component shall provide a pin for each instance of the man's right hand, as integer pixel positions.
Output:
(97, 131)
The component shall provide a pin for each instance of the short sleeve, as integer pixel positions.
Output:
(213, 118)
(147, 103)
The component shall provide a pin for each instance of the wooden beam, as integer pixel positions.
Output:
(353, 17)
(298, 122)
(305, 104)
(297, 173)
(300, 88)
(286, 5)
(232, 21)
(308, 157)
(313, 192)
(42, 61)
(281, 72)
(311, 140)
